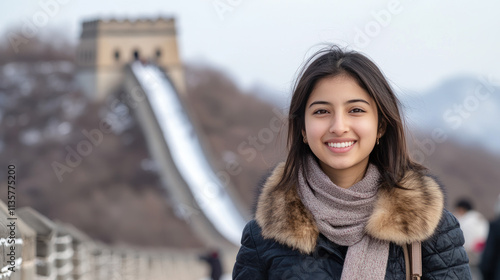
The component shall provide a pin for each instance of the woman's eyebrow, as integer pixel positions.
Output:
(320, 102)
(356, 100)
(347, 102)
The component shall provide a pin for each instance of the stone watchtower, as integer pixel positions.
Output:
(106, 46)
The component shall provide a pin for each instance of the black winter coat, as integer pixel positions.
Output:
(283, 242)
(490, 262)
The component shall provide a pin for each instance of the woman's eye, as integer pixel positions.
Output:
(357, 110)
(320, 112)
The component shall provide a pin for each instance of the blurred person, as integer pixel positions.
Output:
(475, 228)
(490, 261)
(213, 260)
(349, 198)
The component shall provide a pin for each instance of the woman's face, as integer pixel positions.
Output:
(341, 126)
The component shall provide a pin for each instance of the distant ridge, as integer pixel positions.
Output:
(464, 108)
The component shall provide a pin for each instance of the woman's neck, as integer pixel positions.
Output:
(346, 178)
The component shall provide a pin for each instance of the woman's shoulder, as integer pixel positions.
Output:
(252, 237)
(444, 253)
(447, 235)
(447, 223)
(252, 230)
(252, 233)
(283, 217)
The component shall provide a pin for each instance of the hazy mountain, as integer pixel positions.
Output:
(463, 108)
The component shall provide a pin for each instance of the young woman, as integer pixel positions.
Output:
(348, 197)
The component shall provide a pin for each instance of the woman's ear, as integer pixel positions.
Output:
(382, 126)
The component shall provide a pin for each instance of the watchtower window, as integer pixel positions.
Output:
(158, 53)
(117, 55)
(136, 55)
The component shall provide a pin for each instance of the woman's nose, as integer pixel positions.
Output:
(338, 125)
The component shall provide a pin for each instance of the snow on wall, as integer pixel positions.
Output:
(187, 153)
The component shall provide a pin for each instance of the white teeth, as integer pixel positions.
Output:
(341, 145)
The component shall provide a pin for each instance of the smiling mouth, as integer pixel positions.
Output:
(341, 144)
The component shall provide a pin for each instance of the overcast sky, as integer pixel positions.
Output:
(416, 43)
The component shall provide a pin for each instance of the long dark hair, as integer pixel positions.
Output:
(390, 156)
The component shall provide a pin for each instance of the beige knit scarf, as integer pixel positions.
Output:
(342, 214)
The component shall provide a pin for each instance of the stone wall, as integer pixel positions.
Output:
(44, 249)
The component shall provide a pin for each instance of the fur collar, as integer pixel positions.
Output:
(399, 216)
